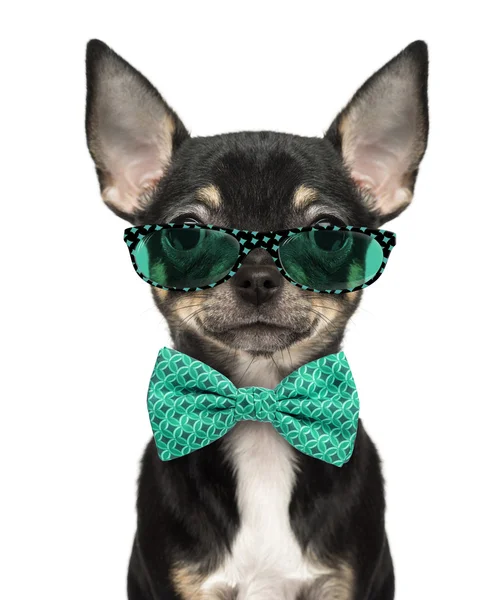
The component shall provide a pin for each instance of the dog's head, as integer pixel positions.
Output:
(362, 173)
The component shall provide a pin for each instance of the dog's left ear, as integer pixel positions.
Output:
(132, 133)
(382, 132)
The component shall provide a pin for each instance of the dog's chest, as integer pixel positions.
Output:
(266, 560)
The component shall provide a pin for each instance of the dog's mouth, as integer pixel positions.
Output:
(260, 335)
(259, 322)
(265, 329)
(261, 326)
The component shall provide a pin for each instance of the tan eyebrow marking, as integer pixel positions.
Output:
(209, 195)
(304, 196)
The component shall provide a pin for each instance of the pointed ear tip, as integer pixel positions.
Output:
(94, 44)
(96, 50)
(418, 50)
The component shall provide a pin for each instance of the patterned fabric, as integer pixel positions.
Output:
(315, 408)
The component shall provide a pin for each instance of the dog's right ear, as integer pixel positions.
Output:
(382, 132)
(132, 133)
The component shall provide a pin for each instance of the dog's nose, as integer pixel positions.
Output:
(257, 283)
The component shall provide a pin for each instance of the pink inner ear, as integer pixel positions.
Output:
(380, 171)
(131, 179)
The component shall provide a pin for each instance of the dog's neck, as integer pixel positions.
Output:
(246, 369)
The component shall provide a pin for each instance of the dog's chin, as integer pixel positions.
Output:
(259, 338)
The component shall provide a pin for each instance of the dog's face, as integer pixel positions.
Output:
(261, 182)
(361, 173)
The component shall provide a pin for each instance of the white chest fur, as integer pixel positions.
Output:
(266, 561)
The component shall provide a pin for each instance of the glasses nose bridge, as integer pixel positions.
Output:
(260, 248)
(258, 256)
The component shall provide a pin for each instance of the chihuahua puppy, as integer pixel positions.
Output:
(249, 517)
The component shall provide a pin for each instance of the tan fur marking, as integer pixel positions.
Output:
(337, 584)
(187, 583)
(331, 310)
(187, 309)
(162, 294)
(188, 301)
(304, 196)
(210, 196)
(352, 296)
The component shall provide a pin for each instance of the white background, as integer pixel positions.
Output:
(79, 333)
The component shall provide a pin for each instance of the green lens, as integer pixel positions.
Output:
(324, 259)
(186, 258)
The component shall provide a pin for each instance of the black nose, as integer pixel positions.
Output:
(257, 283)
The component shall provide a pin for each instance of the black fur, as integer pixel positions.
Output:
(256, 173)
(186, 508)
(186, 511)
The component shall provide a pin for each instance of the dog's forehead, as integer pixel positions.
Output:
(258, 180)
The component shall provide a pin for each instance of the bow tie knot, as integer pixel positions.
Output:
(255, 404)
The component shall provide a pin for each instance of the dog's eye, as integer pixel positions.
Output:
(183, 239)
(328, 222)
(326, 240)
(187, 218)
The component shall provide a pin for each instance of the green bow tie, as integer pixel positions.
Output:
(315, 408)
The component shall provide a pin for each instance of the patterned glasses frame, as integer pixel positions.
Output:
(270, 241)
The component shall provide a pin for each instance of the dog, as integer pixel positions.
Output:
(248, 516)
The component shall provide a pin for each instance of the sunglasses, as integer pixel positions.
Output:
(189, 257)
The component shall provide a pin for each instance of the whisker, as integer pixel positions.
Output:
(183, 307)
(277, 367)
(230, 350)
(315, 295)
(245, 372)
(327, 307)
(329, 322)
(186, 320)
